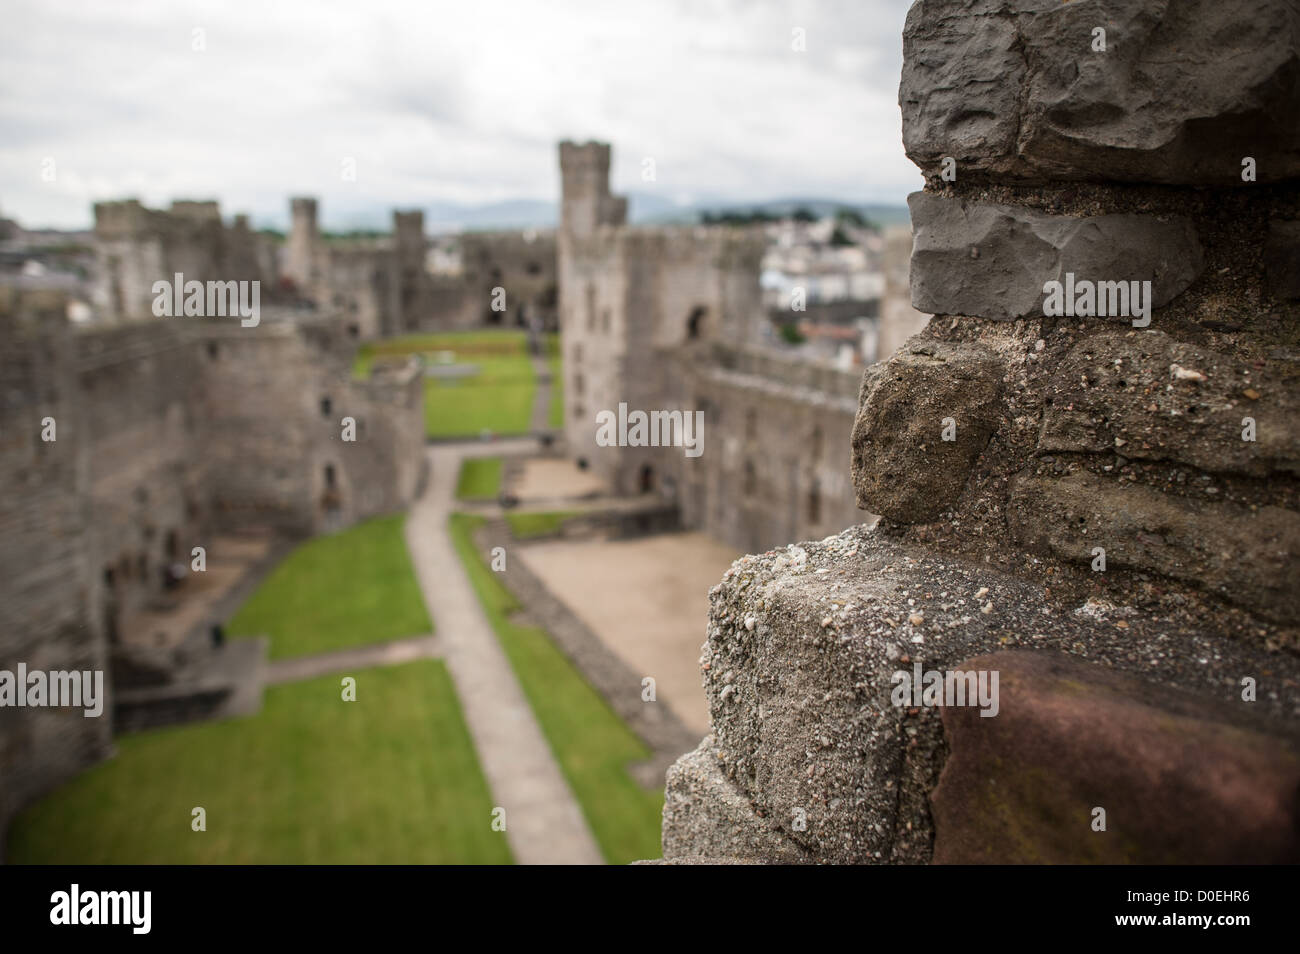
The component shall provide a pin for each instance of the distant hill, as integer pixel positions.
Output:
(877, 213)
(643, 209)
(440, 216)
(510, 214)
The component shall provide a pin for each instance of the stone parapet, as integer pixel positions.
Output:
(1085, 467)
(799, 668)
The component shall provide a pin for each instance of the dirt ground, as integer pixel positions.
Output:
(172, 616)
(648, 599)
(545, 478)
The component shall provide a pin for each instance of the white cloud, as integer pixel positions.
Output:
(435, 101)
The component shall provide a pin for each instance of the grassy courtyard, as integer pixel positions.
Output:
(345, 589)
(497, 397)
(525, 526)
(311, 779)
(590, 742)
(479, 478)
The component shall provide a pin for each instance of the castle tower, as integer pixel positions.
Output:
(130, 256)
(592, 304)
(240, 253)
(409, 249)
(302, 261)
(584, 177)
(408, 234)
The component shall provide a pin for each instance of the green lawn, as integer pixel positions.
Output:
(590, 742)
(468, 346)
(479, 479)
(526, 525)
(555, 412)
(498, 398)
(345, 589)
(311, 779)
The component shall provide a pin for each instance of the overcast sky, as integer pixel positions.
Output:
(460, 102)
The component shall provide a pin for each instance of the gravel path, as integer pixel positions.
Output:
(544, 824)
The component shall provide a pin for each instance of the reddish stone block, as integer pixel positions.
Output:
(1182, 780)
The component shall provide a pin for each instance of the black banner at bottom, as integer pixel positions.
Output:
(133, 904)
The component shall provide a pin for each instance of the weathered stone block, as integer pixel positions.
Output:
(802, 648)
(707, 818)
(992, 261)
(957, 104)
(1250, 558)
(1150, 397)
(903, 466)
(1182, 93)
(1181, 780)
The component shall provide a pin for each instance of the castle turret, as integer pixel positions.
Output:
(411, 293)
(302, 261)
(408, 234)
(587, 202)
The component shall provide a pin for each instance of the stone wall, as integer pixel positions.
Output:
(273, 401)
(46, 618)
(521, 263)
(667, 319)
(136, 246)
(777, 432)
(137, 420)
(379, 286)
(168, 431)
(1102, 508)
(360, 281)
(382, 288)
(376, 284)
